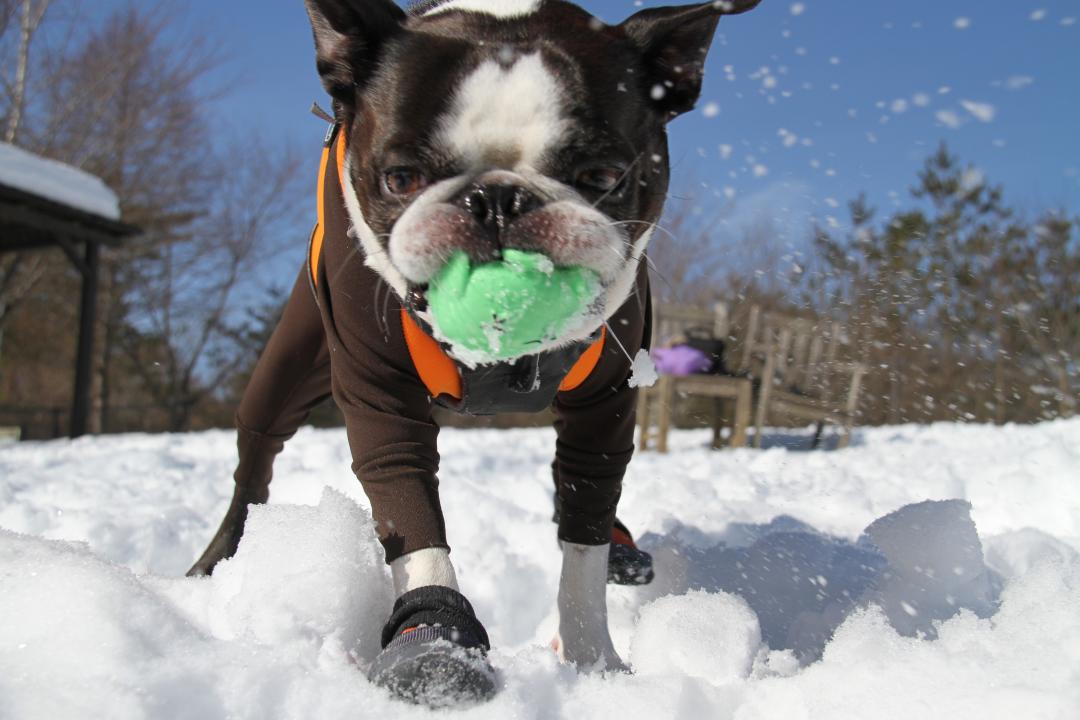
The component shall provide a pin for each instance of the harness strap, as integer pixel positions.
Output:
(319, 234)
(441, 375)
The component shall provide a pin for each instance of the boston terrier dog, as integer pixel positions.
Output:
(476, 127)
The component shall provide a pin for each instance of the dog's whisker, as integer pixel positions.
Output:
(618, 342)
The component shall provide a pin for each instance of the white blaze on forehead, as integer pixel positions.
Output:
(505, 117)
(498, 8)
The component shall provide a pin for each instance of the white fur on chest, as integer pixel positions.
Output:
(498, 8)
(505, 117)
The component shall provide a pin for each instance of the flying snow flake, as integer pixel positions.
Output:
(1068, 21)
(729, 192)
(798, 8)
(789, 138)
(1018, 82)
(1038, 15)
(949, 118)
(710, 110)
(944, 90)
(834, 60)
(999, 143)
(760, 170)
(642, 371)
(658, 92)
(832, 202)
(899, 106)
(972, 179)
(962, 23)
(983, 112)
(726, 151)
(920, 99)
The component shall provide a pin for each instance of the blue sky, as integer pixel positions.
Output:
(805, 104)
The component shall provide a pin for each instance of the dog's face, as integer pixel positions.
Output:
(482, 125)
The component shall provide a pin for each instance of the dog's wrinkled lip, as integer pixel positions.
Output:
(416, 298)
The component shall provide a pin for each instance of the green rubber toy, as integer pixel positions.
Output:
(507, 309)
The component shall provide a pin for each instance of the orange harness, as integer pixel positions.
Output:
(441, 375)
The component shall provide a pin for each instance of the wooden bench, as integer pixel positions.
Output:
(732, 396)
(801, 371)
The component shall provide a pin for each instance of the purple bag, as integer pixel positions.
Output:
(681, 360)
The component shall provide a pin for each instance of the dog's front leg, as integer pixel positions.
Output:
(583, 638)
(423, 568)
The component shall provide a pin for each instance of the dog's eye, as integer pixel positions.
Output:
(404, 181)
(600, 179)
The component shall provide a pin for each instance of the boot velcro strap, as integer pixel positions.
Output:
(438, 608)
(431, 633)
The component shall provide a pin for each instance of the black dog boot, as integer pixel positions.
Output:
(434, 651)
(627, 564)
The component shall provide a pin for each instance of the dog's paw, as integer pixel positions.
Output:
(587, 657)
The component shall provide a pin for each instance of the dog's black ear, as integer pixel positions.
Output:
(348, 37)
(675, 41)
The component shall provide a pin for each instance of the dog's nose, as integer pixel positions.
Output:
(495, 206)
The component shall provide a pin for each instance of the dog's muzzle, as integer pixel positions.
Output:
(494, 207)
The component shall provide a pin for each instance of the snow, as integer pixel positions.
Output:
(929, 572)
(643, 370)
(56, 181)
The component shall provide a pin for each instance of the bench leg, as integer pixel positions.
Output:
(667, 398)
(643, 418)
(741, 422)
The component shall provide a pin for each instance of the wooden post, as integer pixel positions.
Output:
(750, 339)
(764, 393)
(80, 406)
(721, 321)
(852, 404)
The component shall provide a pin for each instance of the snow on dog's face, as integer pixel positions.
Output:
(482, 125)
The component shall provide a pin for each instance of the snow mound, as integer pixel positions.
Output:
(921, 563)
(1023, 663)
(711, 636)
(301, 573)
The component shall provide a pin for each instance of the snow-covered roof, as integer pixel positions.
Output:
(57, 182)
